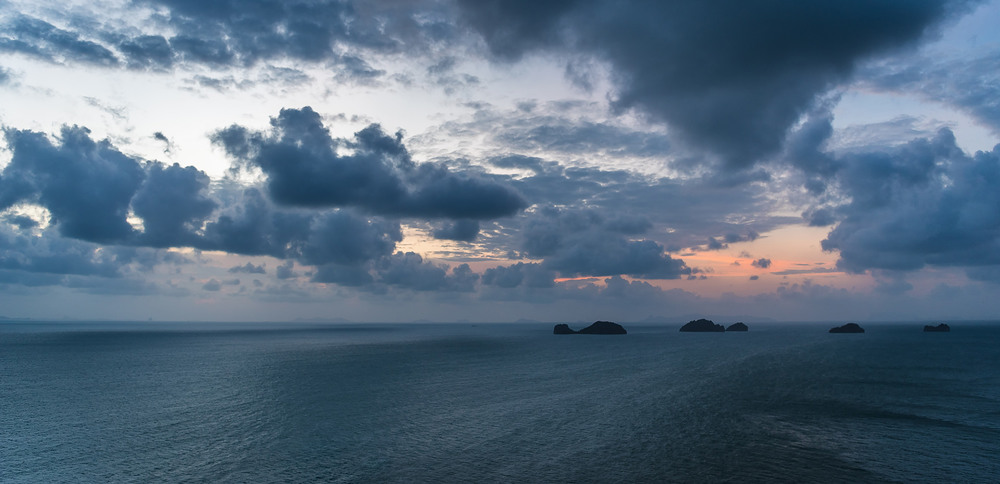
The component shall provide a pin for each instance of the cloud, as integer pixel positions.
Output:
(87, 186)
(762, 263)
(168, 146)
(578, 243)
(90, 189)
(6, 76)
(174, 204)
(730, 82)
(410, 271)
(903, 207)
(147, 52)
(26, 249)
(285, 271)
(460, 230)
(22, 222)
(56, 255)
(38, 38)
(234, 32)
(212, 52)
(532, 275)
(304, 168)
(248, 268)
(212, 285)
(343, 238)
(344, 275)
(814, 270)
(971, 83)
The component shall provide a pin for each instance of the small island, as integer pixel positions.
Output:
(848, 328)
(941, 328)
(702, 326)
(599, 327)
(738, 326)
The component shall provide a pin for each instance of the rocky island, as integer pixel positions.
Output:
(702, 326)
(941, 328)
(848, 328)
(599, 327)
(739, 326)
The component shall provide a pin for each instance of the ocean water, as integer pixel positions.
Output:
(182, 402)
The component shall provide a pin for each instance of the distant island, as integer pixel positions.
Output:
(702, 326)
(599, 327)
(739, 326)
(941, 328)
(848, 328)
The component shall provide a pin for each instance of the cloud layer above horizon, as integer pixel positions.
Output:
(566, 156)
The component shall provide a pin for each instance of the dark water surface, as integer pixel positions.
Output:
(174, 402)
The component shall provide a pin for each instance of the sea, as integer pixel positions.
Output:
(438, 403)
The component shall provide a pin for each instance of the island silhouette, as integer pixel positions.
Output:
(703, 326)
(848, 328)
(599, 327)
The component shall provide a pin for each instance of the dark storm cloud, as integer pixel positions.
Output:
(211, 52)
(86, 185)
(578, 243)
(248, 225)
(232, 31)
(343, 238)
(89, 188)
(304, 168)
(173, 203)
(460, 230)
(904, 207)
(251, 225)
(147, 52)
(409, 270)
(344, 35)
(400, 270)
(820, 217)
(600, 255)
(530, 274)
(38, 38)
(349, 275)
(729, 76)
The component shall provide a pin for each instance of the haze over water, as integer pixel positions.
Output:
(171, 402)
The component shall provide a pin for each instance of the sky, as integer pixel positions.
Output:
(488, 161)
